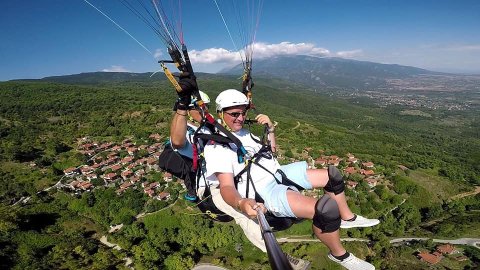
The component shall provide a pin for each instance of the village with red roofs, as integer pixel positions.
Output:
(119, 165)
(123, 165)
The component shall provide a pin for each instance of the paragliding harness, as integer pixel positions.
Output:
(277, 223)
(182, 167)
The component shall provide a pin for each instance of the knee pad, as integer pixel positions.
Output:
(327, 217)
(335, 182)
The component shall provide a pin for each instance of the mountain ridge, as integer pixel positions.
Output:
(329, 75)
(331, 71)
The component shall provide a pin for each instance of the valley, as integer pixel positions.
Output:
(429, 172)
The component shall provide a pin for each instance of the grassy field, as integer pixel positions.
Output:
(436, 188)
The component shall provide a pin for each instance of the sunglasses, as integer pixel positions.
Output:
(236, 114)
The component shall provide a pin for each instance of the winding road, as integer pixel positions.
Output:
(475, 242)
(206, 266)
(297, 126)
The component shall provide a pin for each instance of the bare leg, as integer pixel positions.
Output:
(331, 240)
(304, 207)
(319, 178)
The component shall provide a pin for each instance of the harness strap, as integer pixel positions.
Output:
(209, 122)
(262, 153)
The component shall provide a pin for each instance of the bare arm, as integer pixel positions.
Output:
(231, 196)
(265, 120)
(271, 138)
(178, 129)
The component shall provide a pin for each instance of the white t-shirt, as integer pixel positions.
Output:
(223, 159)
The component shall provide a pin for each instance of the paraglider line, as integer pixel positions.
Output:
(226, 26)
(126, 32)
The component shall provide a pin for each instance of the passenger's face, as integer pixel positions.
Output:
(234, 117)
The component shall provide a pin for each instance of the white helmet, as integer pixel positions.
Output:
(205, 98)
(230, 98)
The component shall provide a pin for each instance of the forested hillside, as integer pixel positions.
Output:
(422, 159)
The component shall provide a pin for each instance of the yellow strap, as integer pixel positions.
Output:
(170, 77)
(212, 215)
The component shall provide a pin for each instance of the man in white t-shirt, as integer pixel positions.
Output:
(184, 124)
(263, 179)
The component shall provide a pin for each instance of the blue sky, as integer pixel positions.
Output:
(59, 37)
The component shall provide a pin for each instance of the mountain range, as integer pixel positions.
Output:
(322, 74)
(330, 72)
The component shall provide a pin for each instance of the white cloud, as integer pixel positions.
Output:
(158, 54)
(214, 55)
(115, 69)
(261, 50)
(451, 47)
(350, 54)
(464, 48)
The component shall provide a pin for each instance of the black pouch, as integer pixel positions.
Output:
(179, 166)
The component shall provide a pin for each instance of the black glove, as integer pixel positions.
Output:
(188, 85)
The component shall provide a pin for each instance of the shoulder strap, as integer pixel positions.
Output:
(241, 152)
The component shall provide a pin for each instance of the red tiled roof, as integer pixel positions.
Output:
(74, 183)
(110, 175)
(70, 170)
(154, 184)
(127, 173)
(86, 185)
(149, 192)
(430, 258)
(163, 195)
(352, 183)
(352, 159)
(446, 249)
(350, 170)
(155, 136)
(127, 159)
(134, 179)
(116, 167)
(367, 172)
(334, 162)
(368, 164)
(320, 161)
(126, 185)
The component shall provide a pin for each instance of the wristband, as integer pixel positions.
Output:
(238, 204)
(179, 105)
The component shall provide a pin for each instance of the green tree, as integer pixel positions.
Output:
(179, 262)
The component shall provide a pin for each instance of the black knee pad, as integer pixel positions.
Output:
(335, 182)
(327, 217)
